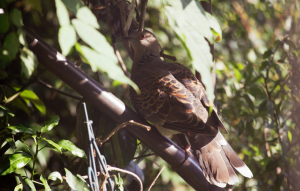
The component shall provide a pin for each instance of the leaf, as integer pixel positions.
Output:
(28, 62)
(6, 111)
(66, 38)
(215, 27)
(94, 39)
(30, 184)
(9, 49)
(11, 162)
(25, 186)
(74, 182)
(19, 187)
(54, 176)
(290, 136)
(22, 35)
(73, 5)
(16, 17)
(62, 13)
(268, 53)
(103, 63)
(11, 142)
(85, 14)
(48, 125)
(54, 145)
(67, 145)
(191, 33)
(44, 181)
(21, 129)
(262, 106)
(4, 20)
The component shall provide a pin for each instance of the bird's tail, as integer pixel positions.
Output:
(217, 159)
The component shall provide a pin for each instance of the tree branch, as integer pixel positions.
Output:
(143, 14)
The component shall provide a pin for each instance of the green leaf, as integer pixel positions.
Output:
(28, 62)
(11, 162)
(85, 14)
(73, 5)
(16, 17)
(290, 136)
(22, 36)
(11, 142)
(62, 13)
(21, 129)
(103, 63)
(54, 145)
(30, 96)
(94, 39)
(19, 187)
(263, 105)
(48, 125)
(66, 38)
(25, 186)
(268, 53)
(30, 184)
(69, 146)
(215, 27)
(9, 49)
(191, 32)
(74, 182)
(4, 20)
(44, 181)
(55, 176)
(6, 111)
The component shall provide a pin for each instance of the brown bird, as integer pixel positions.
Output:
(175, 101)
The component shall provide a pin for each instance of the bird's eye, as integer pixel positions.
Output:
(142, 37)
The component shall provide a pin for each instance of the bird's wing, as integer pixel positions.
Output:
(187, 78)
(166, 102)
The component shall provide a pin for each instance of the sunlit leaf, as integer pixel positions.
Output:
(55, 145)
(30, 184)
(28, 62)
(67, 145)
(30, 96)
(48, 125)
(21, 129)
(45, 183)
(19, 187)
(85, 14)
(55, 176)
(9, 163)
(290, 136)
(66, 38)
(74, 182)
(105, 64)
(62, 13)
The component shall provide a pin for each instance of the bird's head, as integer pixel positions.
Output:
(142, 43)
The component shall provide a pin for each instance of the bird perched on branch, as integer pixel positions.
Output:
(175, 101)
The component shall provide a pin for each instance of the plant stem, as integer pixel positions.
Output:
(35, 157)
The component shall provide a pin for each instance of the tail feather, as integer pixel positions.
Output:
(217, 159)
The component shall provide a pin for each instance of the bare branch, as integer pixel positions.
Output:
(156, 177)
(143, 13)
(57, 90)
(122, 125)
(130, 15)
(110, 168)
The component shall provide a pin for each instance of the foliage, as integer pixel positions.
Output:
(256, 64)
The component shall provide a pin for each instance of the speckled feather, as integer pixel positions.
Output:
(171, 97)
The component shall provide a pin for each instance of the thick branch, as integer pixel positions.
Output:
(117, 110)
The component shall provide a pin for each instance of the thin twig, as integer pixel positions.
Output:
(110, 168)
(122, 125)
(27, 85)
(143, 156)
(121, 6)
(108, 19)
(130, 16)
(143, 13)
(156, 177)
(57, 90)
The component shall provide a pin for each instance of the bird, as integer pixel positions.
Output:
(174, 101)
